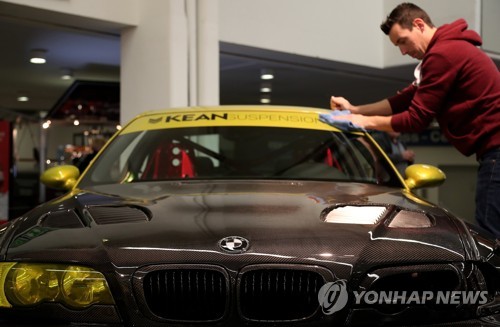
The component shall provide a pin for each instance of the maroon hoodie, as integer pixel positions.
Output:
(460, 87)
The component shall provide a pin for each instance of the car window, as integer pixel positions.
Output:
(239, 152)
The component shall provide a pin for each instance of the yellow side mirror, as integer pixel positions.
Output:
(60, 177)
(418, 176)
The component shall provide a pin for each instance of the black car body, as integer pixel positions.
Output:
(241, 216)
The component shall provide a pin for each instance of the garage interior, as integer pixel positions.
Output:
(83, 66)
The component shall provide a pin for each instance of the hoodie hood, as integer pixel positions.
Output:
(456, 31)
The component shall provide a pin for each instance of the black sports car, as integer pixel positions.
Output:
(248, 215)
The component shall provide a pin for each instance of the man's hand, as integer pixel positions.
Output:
(380, 108)
(358, 120)
(340, 103)
(409, 156)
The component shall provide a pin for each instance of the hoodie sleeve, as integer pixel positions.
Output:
(402, 100)
(438, 76)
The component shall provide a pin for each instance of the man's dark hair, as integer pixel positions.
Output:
(404, 15)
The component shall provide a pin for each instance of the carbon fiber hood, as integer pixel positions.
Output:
(184, 222)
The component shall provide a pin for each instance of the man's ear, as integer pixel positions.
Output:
(419, 24)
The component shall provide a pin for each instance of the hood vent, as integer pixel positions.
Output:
(355, 214)
(61, 219)
(410, 219)
(105, 215)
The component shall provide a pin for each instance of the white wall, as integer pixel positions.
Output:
(154, 61)
(491, 26)
(441, 12)
(171, 59)
(342, 30)
(123, 12)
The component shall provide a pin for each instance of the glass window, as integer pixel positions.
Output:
(239, 153)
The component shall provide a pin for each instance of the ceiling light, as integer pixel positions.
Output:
(66, 74)
(265, 98)
(76, 122)
(266, 87)
(266, 74)
(21, 97)
(37, 56)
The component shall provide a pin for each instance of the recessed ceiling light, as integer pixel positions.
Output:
(37, 56)
(66, 74)
(266, 87)
(22, 98)
(266, 74)
(265, 99)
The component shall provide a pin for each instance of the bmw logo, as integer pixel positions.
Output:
(234, 244)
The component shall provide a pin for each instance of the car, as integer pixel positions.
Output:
(245, 215)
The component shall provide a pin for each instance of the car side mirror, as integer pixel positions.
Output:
(60, 177)
(419, 175)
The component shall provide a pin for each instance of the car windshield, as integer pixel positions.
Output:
(239, 152)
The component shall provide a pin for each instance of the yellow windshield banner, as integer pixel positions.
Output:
(307, 120)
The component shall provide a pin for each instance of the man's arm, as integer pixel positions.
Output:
(378, 123)
(380, 108)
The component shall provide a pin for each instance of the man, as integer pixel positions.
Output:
(457, 84)
(96, 145)
(395, 149)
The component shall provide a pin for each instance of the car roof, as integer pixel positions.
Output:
(272, 108)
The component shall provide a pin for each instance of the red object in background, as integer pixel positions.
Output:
(4, 156)
(187, 169)
(169, 161)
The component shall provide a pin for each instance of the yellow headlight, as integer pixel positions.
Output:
(25, 284)
(4, 269)
(83, 287)
(29, 285)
